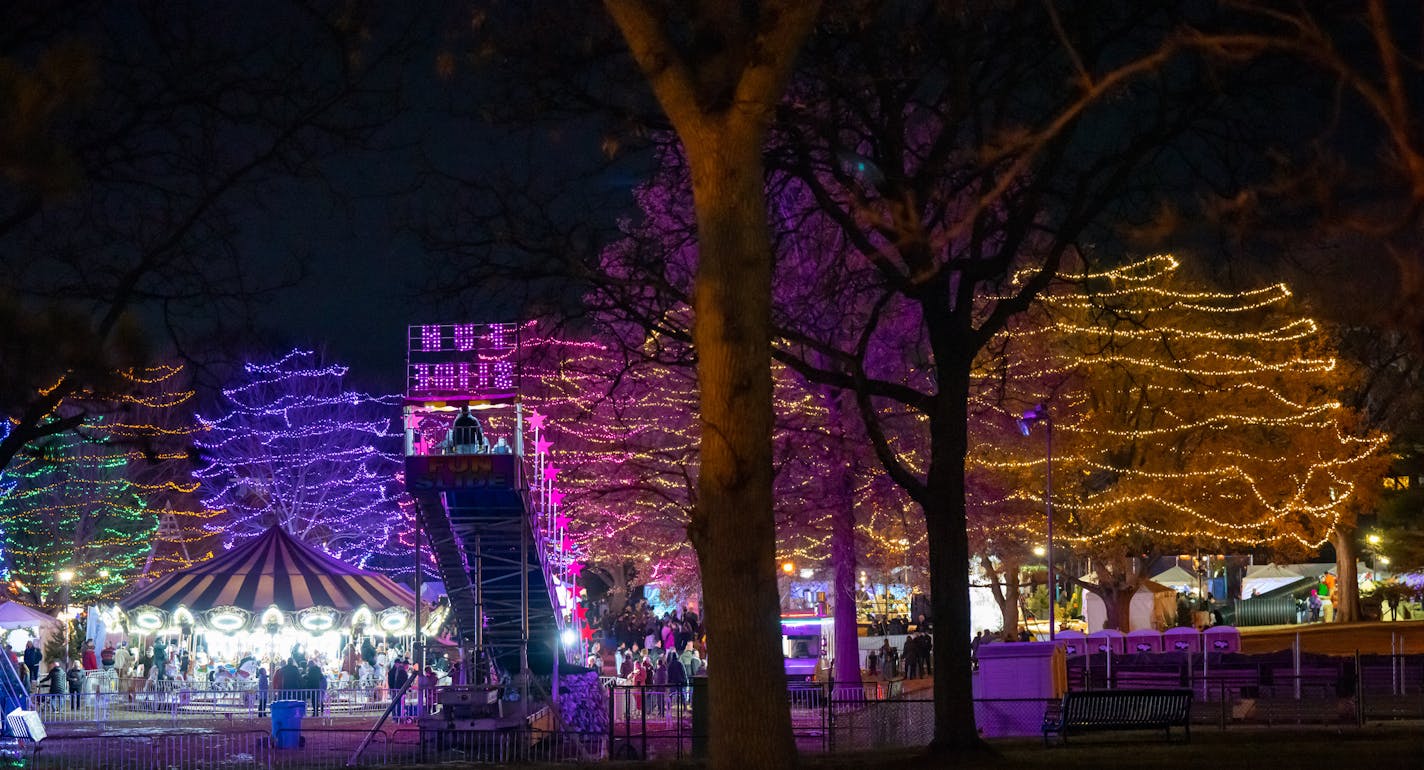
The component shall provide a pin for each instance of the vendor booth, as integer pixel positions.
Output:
(1153, 606)
(1178, 579)
(23, 624)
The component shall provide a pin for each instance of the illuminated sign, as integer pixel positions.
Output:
(436, 472)
(463, 359)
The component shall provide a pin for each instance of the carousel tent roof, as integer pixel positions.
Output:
(273, 568)
(15, 615)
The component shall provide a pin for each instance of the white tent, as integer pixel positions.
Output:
(1153, 606)
(1177, 578)
(15, 615)
(1265, 577)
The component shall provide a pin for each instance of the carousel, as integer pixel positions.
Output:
(265, 600)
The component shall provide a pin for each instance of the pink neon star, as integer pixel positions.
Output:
(555, 497)
(575, 568)
(562, 522)
(541, 446)
(550, 471)
(536, 420)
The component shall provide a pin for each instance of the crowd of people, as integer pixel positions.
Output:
(914, 660)
(641, 647)
(166, 666)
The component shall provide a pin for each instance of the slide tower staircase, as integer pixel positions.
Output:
(485, 510)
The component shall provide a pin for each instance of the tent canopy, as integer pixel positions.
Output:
(15, 615)
(271, 569)
(1176, 576)
(1274, 571)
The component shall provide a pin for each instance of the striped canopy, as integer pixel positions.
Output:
(271, 569)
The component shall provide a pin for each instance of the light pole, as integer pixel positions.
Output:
(1035, 415)
(66, 579)
(788, 569)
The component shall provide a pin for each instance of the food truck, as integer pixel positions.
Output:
(806, 637)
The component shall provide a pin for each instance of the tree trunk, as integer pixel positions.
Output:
(1009, 607)
(1347, 579)
(948, 539)
(733, 528)
(1117, 607)
(847, 651)
(847, 647)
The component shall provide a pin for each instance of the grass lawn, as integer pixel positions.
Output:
(1394, 746)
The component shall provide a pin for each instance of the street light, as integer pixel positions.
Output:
(65, 577)
(1035, 415)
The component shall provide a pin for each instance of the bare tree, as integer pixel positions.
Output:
(148, 139)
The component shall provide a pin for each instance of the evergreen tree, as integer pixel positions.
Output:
(79, 517)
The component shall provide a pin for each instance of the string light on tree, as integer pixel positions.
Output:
(1189, 418)
(294, 447)
(83, 504)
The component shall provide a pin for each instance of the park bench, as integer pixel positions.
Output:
(1099, 710)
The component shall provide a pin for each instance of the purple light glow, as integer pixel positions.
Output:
(293, 447)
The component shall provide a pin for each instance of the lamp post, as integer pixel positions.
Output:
(1035, 415)
(66, 579)
(788, 568)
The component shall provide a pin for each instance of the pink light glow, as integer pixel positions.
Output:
(536, 420)
(503, 375)
(555, 497)
(497, 339)
(430, 338)
(550, 471)
(575, 568)
(562, 522)
(464, 337)
(541, 446)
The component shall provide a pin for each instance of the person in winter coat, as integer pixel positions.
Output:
(292, 679)
(316, 684)
(396, 680)
(676, 678)
(90, 660)
(75, 682)
(33, 657)
(56, 684)
(262, 689)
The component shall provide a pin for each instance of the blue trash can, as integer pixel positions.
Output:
(287, 723)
